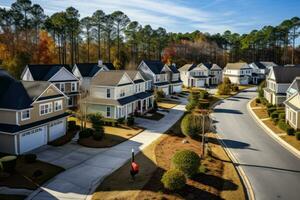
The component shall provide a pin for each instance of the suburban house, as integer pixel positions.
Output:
(260, 70)
(292, 110)
(201, 75)
(118, 94)
(163, 77)
(293, 88)
(59, 75)
(32, 113)
(238, 73)
(86, 71)
(277, 83)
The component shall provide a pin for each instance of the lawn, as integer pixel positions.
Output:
(23, 175)
(167, 104)
(219, 181)
(292, 140)
(112, 137)
(153, 116)
(261, 113)
(273, 126)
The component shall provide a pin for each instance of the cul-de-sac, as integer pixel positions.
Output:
(149, 100)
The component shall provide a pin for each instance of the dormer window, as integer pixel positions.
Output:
(25, 115)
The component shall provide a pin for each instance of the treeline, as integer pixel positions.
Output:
(27, 35)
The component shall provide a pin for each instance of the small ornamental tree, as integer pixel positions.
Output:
(192, 124)
(226, 80)
(173, 179)
(97, 124)
(186, 161)
(159, 95)
(224, 89)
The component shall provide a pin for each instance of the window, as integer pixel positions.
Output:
(25, 115)
(108, 93)
(62, 87)
(74, 87)
(58, 105)
(108, 113)
(45, 108)
(157, 78)
(122, 92)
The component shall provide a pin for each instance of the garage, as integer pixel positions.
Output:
(32, 139)
(177, 88)
(165, 90)
(244, 81)
(56, 129)
(200, 83)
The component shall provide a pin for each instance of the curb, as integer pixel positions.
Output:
(273, 135)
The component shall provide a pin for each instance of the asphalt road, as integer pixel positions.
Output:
(273, 171)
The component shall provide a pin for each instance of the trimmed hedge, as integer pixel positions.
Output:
(88, 132)
(290, 131)
(281, 115)
(271, 110)
(274, 115)
(173, 179)
(186, 161)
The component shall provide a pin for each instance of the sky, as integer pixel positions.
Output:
(213, 16)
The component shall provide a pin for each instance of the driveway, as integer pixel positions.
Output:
(80, 179)
(273, 172)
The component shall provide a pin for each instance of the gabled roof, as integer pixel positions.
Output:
(155, 66)
(109, 78)
(35, 88)
(237, 66)
(295, 86)
(88, 69)
(293, 102)
(45, 72)
(187, 67)
(286, 74)
(264, 65)
(109, 66)
(173, 68)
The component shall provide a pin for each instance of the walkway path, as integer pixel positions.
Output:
(79, 181)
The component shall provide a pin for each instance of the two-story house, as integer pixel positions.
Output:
(238, 73)
(86, 71)
(292, 104)
(260, 70)
(215, 73)
(163, 77)
(32, 113)
(194, 75)
(118, 94)
(277, 83)
(59, 75)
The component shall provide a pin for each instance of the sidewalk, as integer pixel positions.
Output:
(80, 181)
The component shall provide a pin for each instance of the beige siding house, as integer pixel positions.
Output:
(292, 110)
(238, 73)
(32, 113)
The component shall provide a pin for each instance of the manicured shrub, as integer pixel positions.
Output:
(191, 125)
(121, 120)
(173, 179)
(257, 100)
(97, 123)
(204, 95)
(290, 131)
(97, 136)
(186, 161)
(130, 121)
(281, 115)
(30, 158)
(274, 115)
(226, 80)
(224, 89)
(191, 106)
(271, 110)
(269, 105)
(297, 134)
(9, 163)
(263, 101)
(235, 88)
(203, 105)
(159, 95)
(88, 132)
(275, 120)
(282, 125)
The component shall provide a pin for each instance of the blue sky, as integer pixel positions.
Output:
(211, 16)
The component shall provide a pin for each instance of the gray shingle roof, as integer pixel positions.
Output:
(187, 67)
(154, 65)
(238, 65)
(88, 69)
(108, 78)
(286, 74)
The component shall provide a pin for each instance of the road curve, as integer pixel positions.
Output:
(274, 172)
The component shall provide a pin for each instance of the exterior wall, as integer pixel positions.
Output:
(218, 76)
(292, 117)
(268, 96)
(238, 72)
(8, 117)
(8, 143)
(68, 86)
(282, 88)
(128, 89)
(238, 80)
(101, 92)
(184, 78)
(94, 108)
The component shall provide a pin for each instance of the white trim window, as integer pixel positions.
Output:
(45, 108)
(58, 105)
(25, 115)
(62, 87)
(73, 87)
(108, 93)
(108, 111)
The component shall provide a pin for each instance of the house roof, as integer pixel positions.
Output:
(264, 65)
(88, 69)
(35, 88)
(238, 65)
(286, 74)
(109, 66)
(43, 72)
(108, 78)
(187, 67)
(293, 101)
(173, 68)
(155, 66)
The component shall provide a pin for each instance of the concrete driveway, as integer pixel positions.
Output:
(273, 172)
(82, 177)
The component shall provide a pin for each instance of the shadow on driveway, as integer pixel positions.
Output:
(229, 111)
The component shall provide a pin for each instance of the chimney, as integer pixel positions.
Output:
(100, 62)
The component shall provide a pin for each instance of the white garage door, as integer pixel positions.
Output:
(32, 139)
(177, 88)
(244, 81)
(200, 83)
(165, 90)
(56, 129)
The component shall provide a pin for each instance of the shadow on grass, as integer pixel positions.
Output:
(216, 182)
(228, 111)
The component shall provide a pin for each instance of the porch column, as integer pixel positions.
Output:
(141, 107)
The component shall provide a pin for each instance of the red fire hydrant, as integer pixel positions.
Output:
(134, 167)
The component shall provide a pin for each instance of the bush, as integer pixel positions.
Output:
(30, 158)
(275, 120)
(97, 123)
(186, 161)
(191, 106)
(274, 115)
(9, 163)
(204, 95)
(72, 125)
(257, 100)
(130, 121)
(263, 101)
(271, 110)
(224, 89)
(159, 95)
(88, 132)
(281, 115)
(282, 125)
(191, 125)
(203, 105)
(121, 120)
(269, 105)
(173, 179)
(226, 80)
(235, 88)
(155, 106)
(290, 131)
(297, 134)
